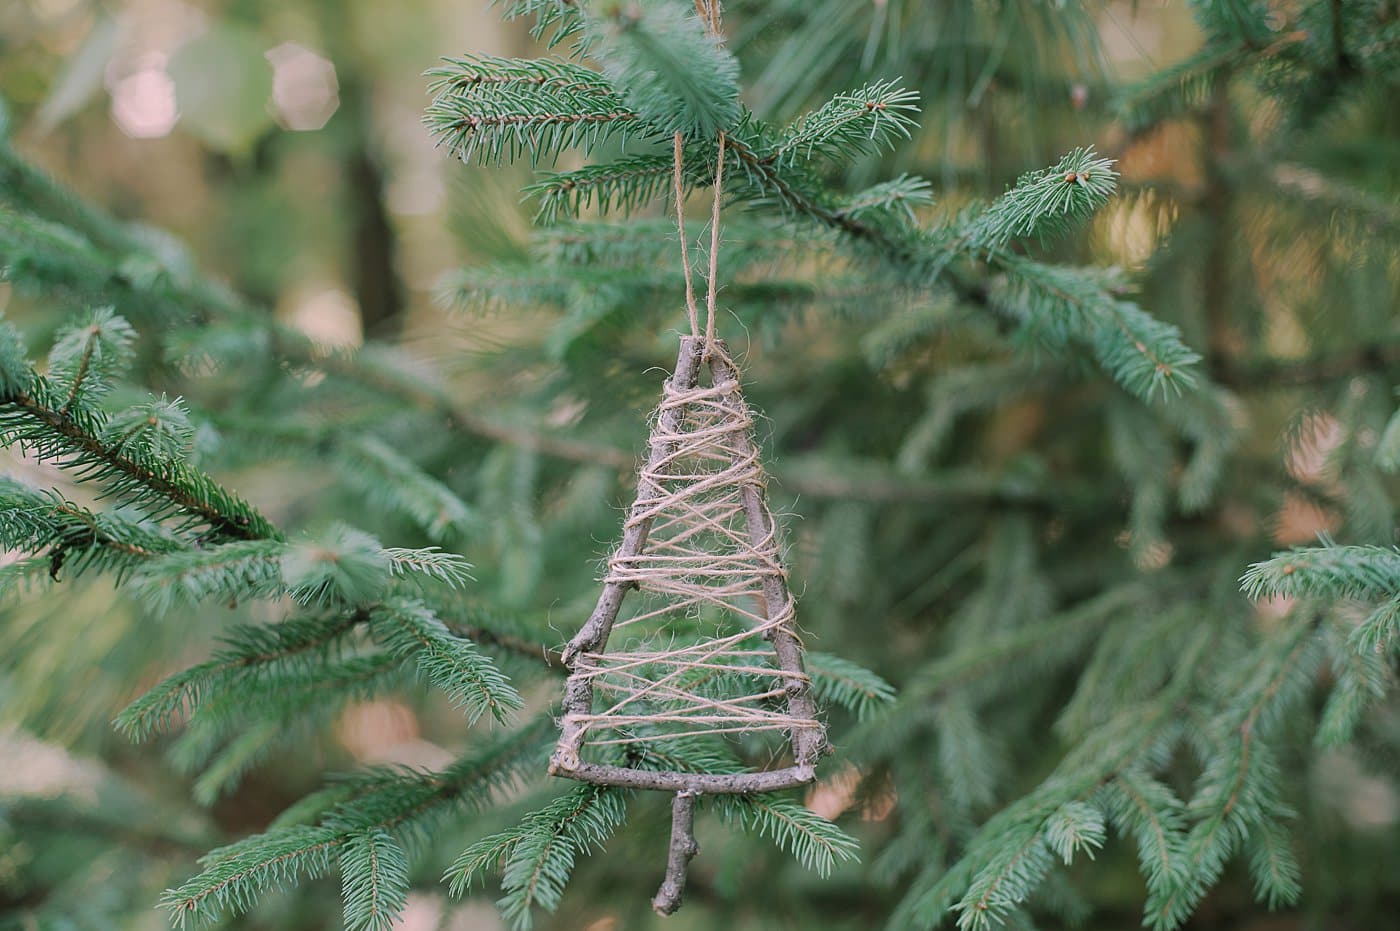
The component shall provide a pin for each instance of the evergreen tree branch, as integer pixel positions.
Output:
(1328, 571)
(812, 840)
(86, 357)
(247, 654)
(671, 69)
(374, 881)
(1375, 213)
(238, 873)
(1008, 858)
(555, 20)
(400, 805)
(1238, 792)
(1140, 352)
(857, 123)
(1045, 203)
(231, 571)
(620, 186)
(29, 189)
(34, 416)
(497, 109)
(33, 521)
(469, 678)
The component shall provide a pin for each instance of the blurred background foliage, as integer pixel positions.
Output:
(282, 140)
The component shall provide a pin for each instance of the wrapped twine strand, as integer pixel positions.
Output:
(699, 546)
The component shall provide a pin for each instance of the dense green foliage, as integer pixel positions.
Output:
(1043, 489)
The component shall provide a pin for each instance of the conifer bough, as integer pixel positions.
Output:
(1186, 706)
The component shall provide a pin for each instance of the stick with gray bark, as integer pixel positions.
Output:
(683, 849)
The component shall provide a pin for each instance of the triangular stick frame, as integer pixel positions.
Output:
(807, 742)
(593, 637)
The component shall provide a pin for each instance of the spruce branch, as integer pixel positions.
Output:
(1142, 353)
(963, 667)
(1008, 858)
(1380, 631)
(1328, 571)
(237, 875)
(671, 69)
(1238, 790)
(545, 847)
(1057, 306)
(392, 482)
(494, 110)
(617, 187)
(838, 681)
(29, 189)
(341, 566)
(898, 196)
(816, 843)
(1277, 876)
(88, 355)
(537, 856)
(850, 125)
(157, 429)
(73, 537)
(1076, 827)
(401, 805)
(409, 803)
(1179, 89)
(1046, 203)
(231, 571)
(144, 272)
(1360, 678)
(488, 74)
(470, 679)
(429, 562)
(1151, 814)
(249, 654)
(374, 880)
(555, 20)
(1377, 214)
(37, 415)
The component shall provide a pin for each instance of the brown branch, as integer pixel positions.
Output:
(683, 850)
(746, 783)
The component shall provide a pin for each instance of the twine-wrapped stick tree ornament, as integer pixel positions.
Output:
(694, 633)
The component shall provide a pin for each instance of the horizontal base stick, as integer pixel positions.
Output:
(667, 781)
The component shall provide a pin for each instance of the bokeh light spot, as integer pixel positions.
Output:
(143, 102)
(328, 315)
(305, 92)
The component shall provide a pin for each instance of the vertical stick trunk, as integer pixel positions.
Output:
(683, 850)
